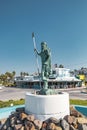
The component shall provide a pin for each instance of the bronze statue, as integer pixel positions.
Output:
(45, 55)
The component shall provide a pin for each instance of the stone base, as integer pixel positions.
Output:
(46, 106)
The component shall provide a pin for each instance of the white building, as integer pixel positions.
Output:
(60, 78)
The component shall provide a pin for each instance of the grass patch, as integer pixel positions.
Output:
(78, 102)
(22, 101)
(14, 102)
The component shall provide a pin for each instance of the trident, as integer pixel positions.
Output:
(33, 37)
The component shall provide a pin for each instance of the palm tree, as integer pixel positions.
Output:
(7, 78)
(9, 75)
(55, 65)
(14, 73)
(21, 74)
(61, 66)
(3, 79)
(24, 74)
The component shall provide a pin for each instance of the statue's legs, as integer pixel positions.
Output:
(45, 84)
(44, 75)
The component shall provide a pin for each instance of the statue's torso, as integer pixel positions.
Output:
(44, 57)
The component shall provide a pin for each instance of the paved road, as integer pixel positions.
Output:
(76, 94)
(13, 93)
(18, 93)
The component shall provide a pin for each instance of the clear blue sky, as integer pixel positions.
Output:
(61, 23)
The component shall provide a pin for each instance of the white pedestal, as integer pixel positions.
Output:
(46, 106)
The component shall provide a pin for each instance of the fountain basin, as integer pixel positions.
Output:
(46, 106)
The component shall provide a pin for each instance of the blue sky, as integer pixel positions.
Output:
(61, 23)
